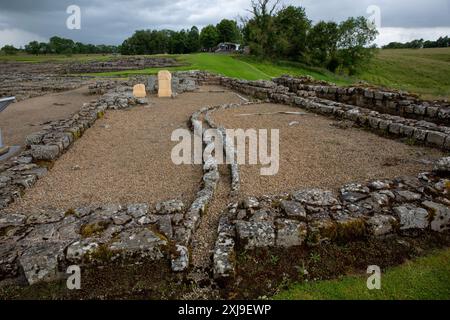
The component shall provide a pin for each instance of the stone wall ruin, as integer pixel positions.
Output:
(38, 246)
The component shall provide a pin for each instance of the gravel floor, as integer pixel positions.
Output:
(25, 117)
(313, 153)
(126, 158)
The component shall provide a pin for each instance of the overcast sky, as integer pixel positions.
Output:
(112, 21)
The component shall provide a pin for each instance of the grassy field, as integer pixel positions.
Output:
(423, 71)
(427, 278)
(237, 67)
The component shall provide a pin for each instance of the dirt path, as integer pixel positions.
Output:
(25, 117)
(313, 153)
(126, 158)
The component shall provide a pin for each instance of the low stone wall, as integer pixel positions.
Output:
(384, 101)
(415, 131)
(30, 85)
(181, 82)
(47, 145)
(38, 246)
(407, 206)
(121, 64)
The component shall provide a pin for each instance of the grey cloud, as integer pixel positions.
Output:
(111, 21)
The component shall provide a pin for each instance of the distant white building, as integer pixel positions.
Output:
(226, 47)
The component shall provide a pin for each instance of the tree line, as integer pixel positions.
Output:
(58, 45)
(271, 33)
(184, 41)
(442, 42)
(287, 33)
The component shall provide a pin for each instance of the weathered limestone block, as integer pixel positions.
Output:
(442, 166)
(147, 219)
(255, 234)
(412, 217)
(9, 220)
(407, 196)
(81, 251)
(137, 210)
(40, 262)
(368, 93)
(152, 84)
(321, 230)
(211, 178)
(432, 112)
(82, 212)
(180, 259)
(121, 219)
(420, 134)
(293, 209)
(407, 131)
(394, 128)
(290, 233)
(380, 225)
(164, 84)
(224, 258)
(141, 243)
(45, 152)
(384, 124)
(34, 138)
(436, 138)
(170, 207)
(380, 185)
(182, 235)
(440, 216)
(373, 122)
(382, 198)
(315, 197)
(261, 215)
(165, 226)
(420, 110)
(354, 192)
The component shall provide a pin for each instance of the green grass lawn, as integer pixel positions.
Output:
(422, 71)
(426, 278)
(241, 67)
(425, 72)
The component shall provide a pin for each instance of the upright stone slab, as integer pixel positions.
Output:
(139, 91)
(164, 84)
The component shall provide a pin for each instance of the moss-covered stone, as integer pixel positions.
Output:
(350, 229)
(101, 255)
(319, 231)
(95, 228)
